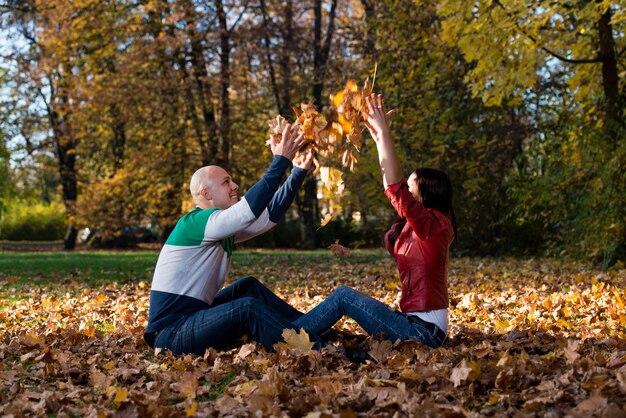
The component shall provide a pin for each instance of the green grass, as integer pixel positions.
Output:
(217, 391)
(95, 267)
(300, 257)
(48, 266)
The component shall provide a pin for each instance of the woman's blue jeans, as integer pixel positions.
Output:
(372, 315)
(244, 307)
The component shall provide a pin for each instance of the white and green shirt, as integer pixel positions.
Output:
(193, 264)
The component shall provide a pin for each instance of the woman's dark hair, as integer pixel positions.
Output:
(434, 192)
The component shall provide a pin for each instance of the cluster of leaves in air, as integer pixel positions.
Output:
(335, 137)
(528, 338)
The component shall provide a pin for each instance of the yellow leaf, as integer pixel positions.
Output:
(547, 303)
(121, 395)
(331, 177)
(567, 312)
(337, 98)
(345, 124)
(503, 326)
(31, 339)
(191, 409)
(392, 285)
(298, 341)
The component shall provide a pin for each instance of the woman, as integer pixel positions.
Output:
(419, 242)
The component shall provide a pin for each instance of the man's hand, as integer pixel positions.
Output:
(304, 160)
(292, 140)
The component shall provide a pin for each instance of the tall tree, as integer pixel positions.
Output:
(46, 57)
(516, 44)
(322, 40)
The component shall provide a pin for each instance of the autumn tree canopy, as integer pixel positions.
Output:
(522, 102)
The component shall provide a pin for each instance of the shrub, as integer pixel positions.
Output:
(24, 220)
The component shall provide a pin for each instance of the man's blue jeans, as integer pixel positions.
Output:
(244, 307)
(372, 315)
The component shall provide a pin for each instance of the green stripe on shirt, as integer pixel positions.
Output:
(189, 231)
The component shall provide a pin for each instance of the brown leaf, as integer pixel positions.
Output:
(595, 405)
(460, 374)
(339, 250)
(297, 341)
(188, 385)
(621, 378)
(571, 351)
(380, 350)
(245, 351)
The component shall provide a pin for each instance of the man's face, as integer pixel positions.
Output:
(221, 189)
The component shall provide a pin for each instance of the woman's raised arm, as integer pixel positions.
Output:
(376, 121)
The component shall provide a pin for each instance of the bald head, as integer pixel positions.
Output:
(201, 178)
(212, 186)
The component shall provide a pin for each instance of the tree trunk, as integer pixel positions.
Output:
(369, 45)
(224, 124)
(284, 107)
(268, 54)
(65, 151)
(69, 241)
(199, 105)
(321, 49)
(610, 79)
(67, 169)
(118, 145)
(308, 206)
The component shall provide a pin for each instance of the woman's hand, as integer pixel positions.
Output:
(376, 120)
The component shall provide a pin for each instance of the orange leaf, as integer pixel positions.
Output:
(326, 219)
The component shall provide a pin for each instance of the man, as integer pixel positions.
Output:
(188, 311)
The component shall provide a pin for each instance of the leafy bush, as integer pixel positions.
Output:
(23, 220)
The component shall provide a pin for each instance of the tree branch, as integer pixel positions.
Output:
(234, 25)
(545, 49)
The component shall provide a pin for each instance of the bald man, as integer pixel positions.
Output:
(188, 311)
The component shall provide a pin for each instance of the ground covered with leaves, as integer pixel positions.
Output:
(534, 337)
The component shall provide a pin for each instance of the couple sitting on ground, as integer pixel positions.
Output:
(188, 311)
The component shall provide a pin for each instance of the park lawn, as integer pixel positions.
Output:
(528, 337)
(44, 268)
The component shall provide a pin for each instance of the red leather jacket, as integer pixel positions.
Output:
(421, 251)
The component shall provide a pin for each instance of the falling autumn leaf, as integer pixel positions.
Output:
(336, 136)
(326, 219)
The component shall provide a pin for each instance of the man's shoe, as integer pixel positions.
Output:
(358, 355)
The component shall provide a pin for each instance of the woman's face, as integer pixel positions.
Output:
(412, 182)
